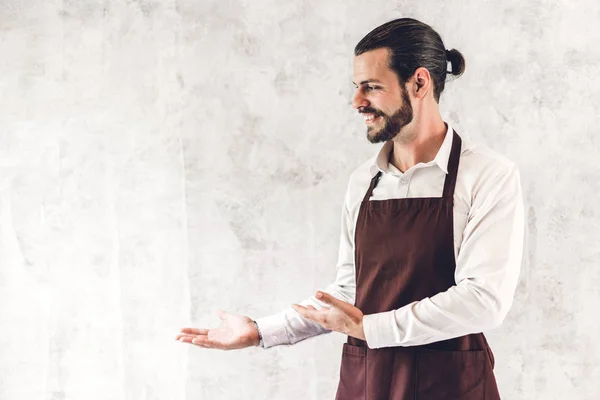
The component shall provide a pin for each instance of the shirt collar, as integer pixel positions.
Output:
(381, 161)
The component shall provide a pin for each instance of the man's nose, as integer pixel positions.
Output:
(358, 100)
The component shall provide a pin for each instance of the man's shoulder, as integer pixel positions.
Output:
(477, 157)
(483, 170)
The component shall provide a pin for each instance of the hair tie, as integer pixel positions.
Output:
(447, 52)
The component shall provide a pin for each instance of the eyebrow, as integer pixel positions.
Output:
(368, 81)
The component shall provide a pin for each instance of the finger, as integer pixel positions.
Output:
(203, 341)
(311, 308)
(191, 339)
(183, 335)
(329, 299)
(187, 339)
(198, 344)
(195, 331)
(301, 310)
(221, 314)
(313, 315)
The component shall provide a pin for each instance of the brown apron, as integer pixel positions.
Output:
(404, 252)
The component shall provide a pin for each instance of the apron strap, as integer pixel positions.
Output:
(374, 181)
(450, 181)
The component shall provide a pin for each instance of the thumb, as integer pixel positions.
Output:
(221, 314)
(328, 299)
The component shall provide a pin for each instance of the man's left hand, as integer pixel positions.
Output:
(340, 317)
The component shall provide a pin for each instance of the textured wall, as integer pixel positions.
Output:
(162, 159)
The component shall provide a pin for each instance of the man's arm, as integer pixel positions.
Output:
(487, 271)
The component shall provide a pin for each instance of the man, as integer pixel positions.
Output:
(431, 243)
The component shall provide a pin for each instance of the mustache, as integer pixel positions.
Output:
(369, 110)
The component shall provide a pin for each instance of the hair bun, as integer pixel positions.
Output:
(457, 61)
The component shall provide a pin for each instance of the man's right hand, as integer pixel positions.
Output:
(235, 332)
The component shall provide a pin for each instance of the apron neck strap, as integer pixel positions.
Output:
(450, 181)
(374, 181)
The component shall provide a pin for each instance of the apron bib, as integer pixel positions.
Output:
(404, 252)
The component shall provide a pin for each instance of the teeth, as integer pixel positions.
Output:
(369, 117)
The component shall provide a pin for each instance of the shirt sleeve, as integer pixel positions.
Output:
(487, 271)
(288, 327)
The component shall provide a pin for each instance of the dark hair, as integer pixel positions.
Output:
(413, 44)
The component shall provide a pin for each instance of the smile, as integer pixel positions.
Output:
(370, 118)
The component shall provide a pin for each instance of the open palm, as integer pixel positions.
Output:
(234, 332)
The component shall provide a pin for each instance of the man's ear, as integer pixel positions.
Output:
(422, 82)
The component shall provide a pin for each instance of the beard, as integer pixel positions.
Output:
(391, 124)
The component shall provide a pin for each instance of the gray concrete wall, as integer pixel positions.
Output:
(162, 159)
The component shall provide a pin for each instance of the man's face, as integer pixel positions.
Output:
(379, 96)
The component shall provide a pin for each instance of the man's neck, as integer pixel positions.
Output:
(419, 143)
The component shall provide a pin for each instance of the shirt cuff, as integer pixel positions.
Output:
(381, 330)
(273, 330)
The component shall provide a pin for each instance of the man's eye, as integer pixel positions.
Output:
(368, 88)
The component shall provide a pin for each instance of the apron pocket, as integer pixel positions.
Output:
(353, 373)
(450, 375)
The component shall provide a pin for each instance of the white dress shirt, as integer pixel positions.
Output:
(489, 230)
